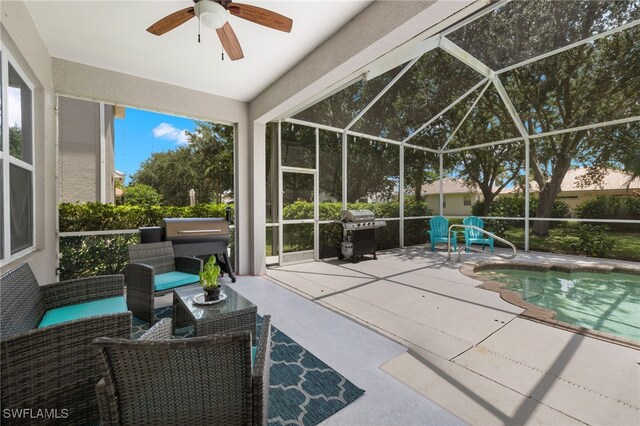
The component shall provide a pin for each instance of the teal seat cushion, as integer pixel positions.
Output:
(94, 308)
(174, 279)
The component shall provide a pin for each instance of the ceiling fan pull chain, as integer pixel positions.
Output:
(223, 54)
(198, 30)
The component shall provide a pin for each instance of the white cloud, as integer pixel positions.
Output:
(168, 132)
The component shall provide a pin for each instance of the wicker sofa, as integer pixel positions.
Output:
(207, 380)
(153, 270)
(53, 367)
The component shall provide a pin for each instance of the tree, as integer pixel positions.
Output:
(212, 145)
(141, 195)
(172, 174)
(419, 169)
(492, 169)
(15, 140)
(373, 169)
(423, 91)
(205, 164)
(591, 83)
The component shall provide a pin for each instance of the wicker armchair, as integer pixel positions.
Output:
(202, 380)
(53, 367)
(146, 263)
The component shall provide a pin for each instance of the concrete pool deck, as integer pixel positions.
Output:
(467, 349)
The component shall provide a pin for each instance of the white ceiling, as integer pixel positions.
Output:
(111, 35)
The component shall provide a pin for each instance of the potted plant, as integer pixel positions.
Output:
(209, 280)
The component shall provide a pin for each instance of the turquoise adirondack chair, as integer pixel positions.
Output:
(473, 236)
(438, 233)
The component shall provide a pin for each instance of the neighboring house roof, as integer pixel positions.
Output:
(450, 186)
(612, 180)
(118, 174)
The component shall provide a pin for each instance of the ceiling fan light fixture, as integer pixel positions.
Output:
(211, 14)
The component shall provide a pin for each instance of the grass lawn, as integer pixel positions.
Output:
(626, 247)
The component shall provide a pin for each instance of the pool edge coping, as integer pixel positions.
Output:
(537, 313)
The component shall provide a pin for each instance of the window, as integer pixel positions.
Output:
(444, 202)
(467, 200)
(16, 162)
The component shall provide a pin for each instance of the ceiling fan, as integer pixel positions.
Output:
(215, 14)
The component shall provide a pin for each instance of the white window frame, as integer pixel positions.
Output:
(7, 160)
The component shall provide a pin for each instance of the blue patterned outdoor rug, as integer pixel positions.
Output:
(303, 389)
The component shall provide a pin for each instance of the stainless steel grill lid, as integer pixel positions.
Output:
(356, 215)
(360, 219)
(186, 230)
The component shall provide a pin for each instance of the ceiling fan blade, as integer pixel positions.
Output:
(172, 21)
(261, 16)
(230, 42)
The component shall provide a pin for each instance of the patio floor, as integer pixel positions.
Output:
(459, 346)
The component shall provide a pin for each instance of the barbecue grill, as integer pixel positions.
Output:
(194, 237)
(358, 234)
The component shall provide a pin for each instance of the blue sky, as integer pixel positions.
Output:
(142, 133)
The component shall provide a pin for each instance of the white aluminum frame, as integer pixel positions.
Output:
(571, 46)
(103, 148)
(316, 206)
(444, 111)
(471, 108)
(7, 160)
(384, 90)
(489, 76)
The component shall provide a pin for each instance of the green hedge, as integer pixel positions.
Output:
(514, 207)
(94, 255)
(101, 217)
(612, 207)
(107, 254)
(301, 237)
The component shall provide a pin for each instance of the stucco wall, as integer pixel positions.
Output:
(109, 166)
(20, 36)
(79, 156)
(78, 150)
(454, 204)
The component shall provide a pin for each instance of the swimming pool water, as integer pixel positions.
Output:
(603, 302)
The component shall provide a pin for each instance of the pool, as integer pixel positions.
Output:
(607, 302)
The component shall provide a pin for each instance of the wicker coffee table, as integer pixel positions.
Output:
(233, 314)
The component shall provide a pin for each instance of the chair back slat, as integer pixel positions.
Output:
(439, 226)
(159, 255)
(21, 303)
(475, 221)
